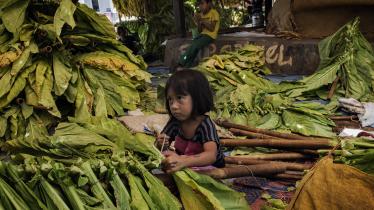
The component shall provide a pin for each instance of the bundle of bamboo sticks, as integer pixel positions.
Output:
(296, 153)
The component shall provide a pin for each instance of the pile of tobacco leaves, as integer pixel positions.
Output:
(244, 96)
(63, 76)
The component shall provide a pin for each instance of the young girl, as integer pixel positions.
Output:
(189, 98)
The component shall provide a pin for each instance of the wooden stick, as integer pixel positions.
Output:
(47, 49)
(245, 161)
(304, 151)
(285, 176)
(339, 129)
(352, 117)
(333, 87)
(250, 134)
(279, 156)
(276, 143)
(341, 123)
(263, 131)
(367, 129)
(20, 101)
(301, 173)
(241, 171)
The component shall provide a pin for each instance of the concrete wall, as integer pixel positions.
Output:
(299, 57)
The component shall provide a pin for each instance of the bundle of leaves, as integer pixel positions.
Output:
(356, 152)
(63, 58)
(244, 97)
(346, 57)
(97, 165)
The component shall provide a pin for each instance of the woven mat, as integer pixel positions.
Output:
(156, 122)
(254, 187)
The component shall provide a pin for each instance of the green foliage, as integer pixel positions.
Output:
(348, 55)
(63, 58)
(244, 97)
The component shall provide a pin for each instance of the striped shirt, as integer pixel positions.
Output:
(205, 132)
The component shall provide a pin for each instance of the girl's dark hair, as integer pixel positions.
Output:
(194, 83)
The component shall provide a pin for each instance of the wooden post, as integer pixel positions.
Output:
(268, 6)
(180, 24)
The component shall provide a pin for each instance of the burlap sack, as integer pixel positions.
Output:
(333, 186)
(320, 18)
(144, 124)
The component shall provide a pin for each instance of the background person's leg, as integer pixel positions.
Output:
(187, 58)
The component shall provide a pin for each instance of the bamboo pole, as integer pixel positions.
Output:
(279, 156)
(304, 151)
(241, 171)
(338, 129)
(250, 134)
(352, 117)
(276, 143)
(284, 176)
(246, 161)
(342, 123)
(264, 131)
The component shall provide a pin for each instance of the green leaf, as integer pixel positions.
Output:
(76, 40)
(87, 199)
(6, 83)
(269, 121)
(24, 191)
(14, 198)
(191, 199)
(137, 200)
(26, 110)
(62, 74)
(14, 15)
(64, 14)
(320, 78)
(82, 181)
(83, 100)
(305, 125)
(147, 198)
(160, 195)
(45, 96)
(22, 60)
(26, 33)
(100, 23)
(122, 137)
(71, 135)
(96, 187)
(121, 194)
(3, 126)
(50, 29)
(214, 195)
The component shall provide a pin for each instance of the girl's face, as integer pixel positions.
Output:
(180, 105)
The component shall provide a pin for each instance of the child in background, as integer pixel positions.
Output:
(188, 99)
(207, 22)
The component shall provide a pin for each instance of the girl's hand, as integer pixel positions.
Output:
(172, 162)
(160, 140)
